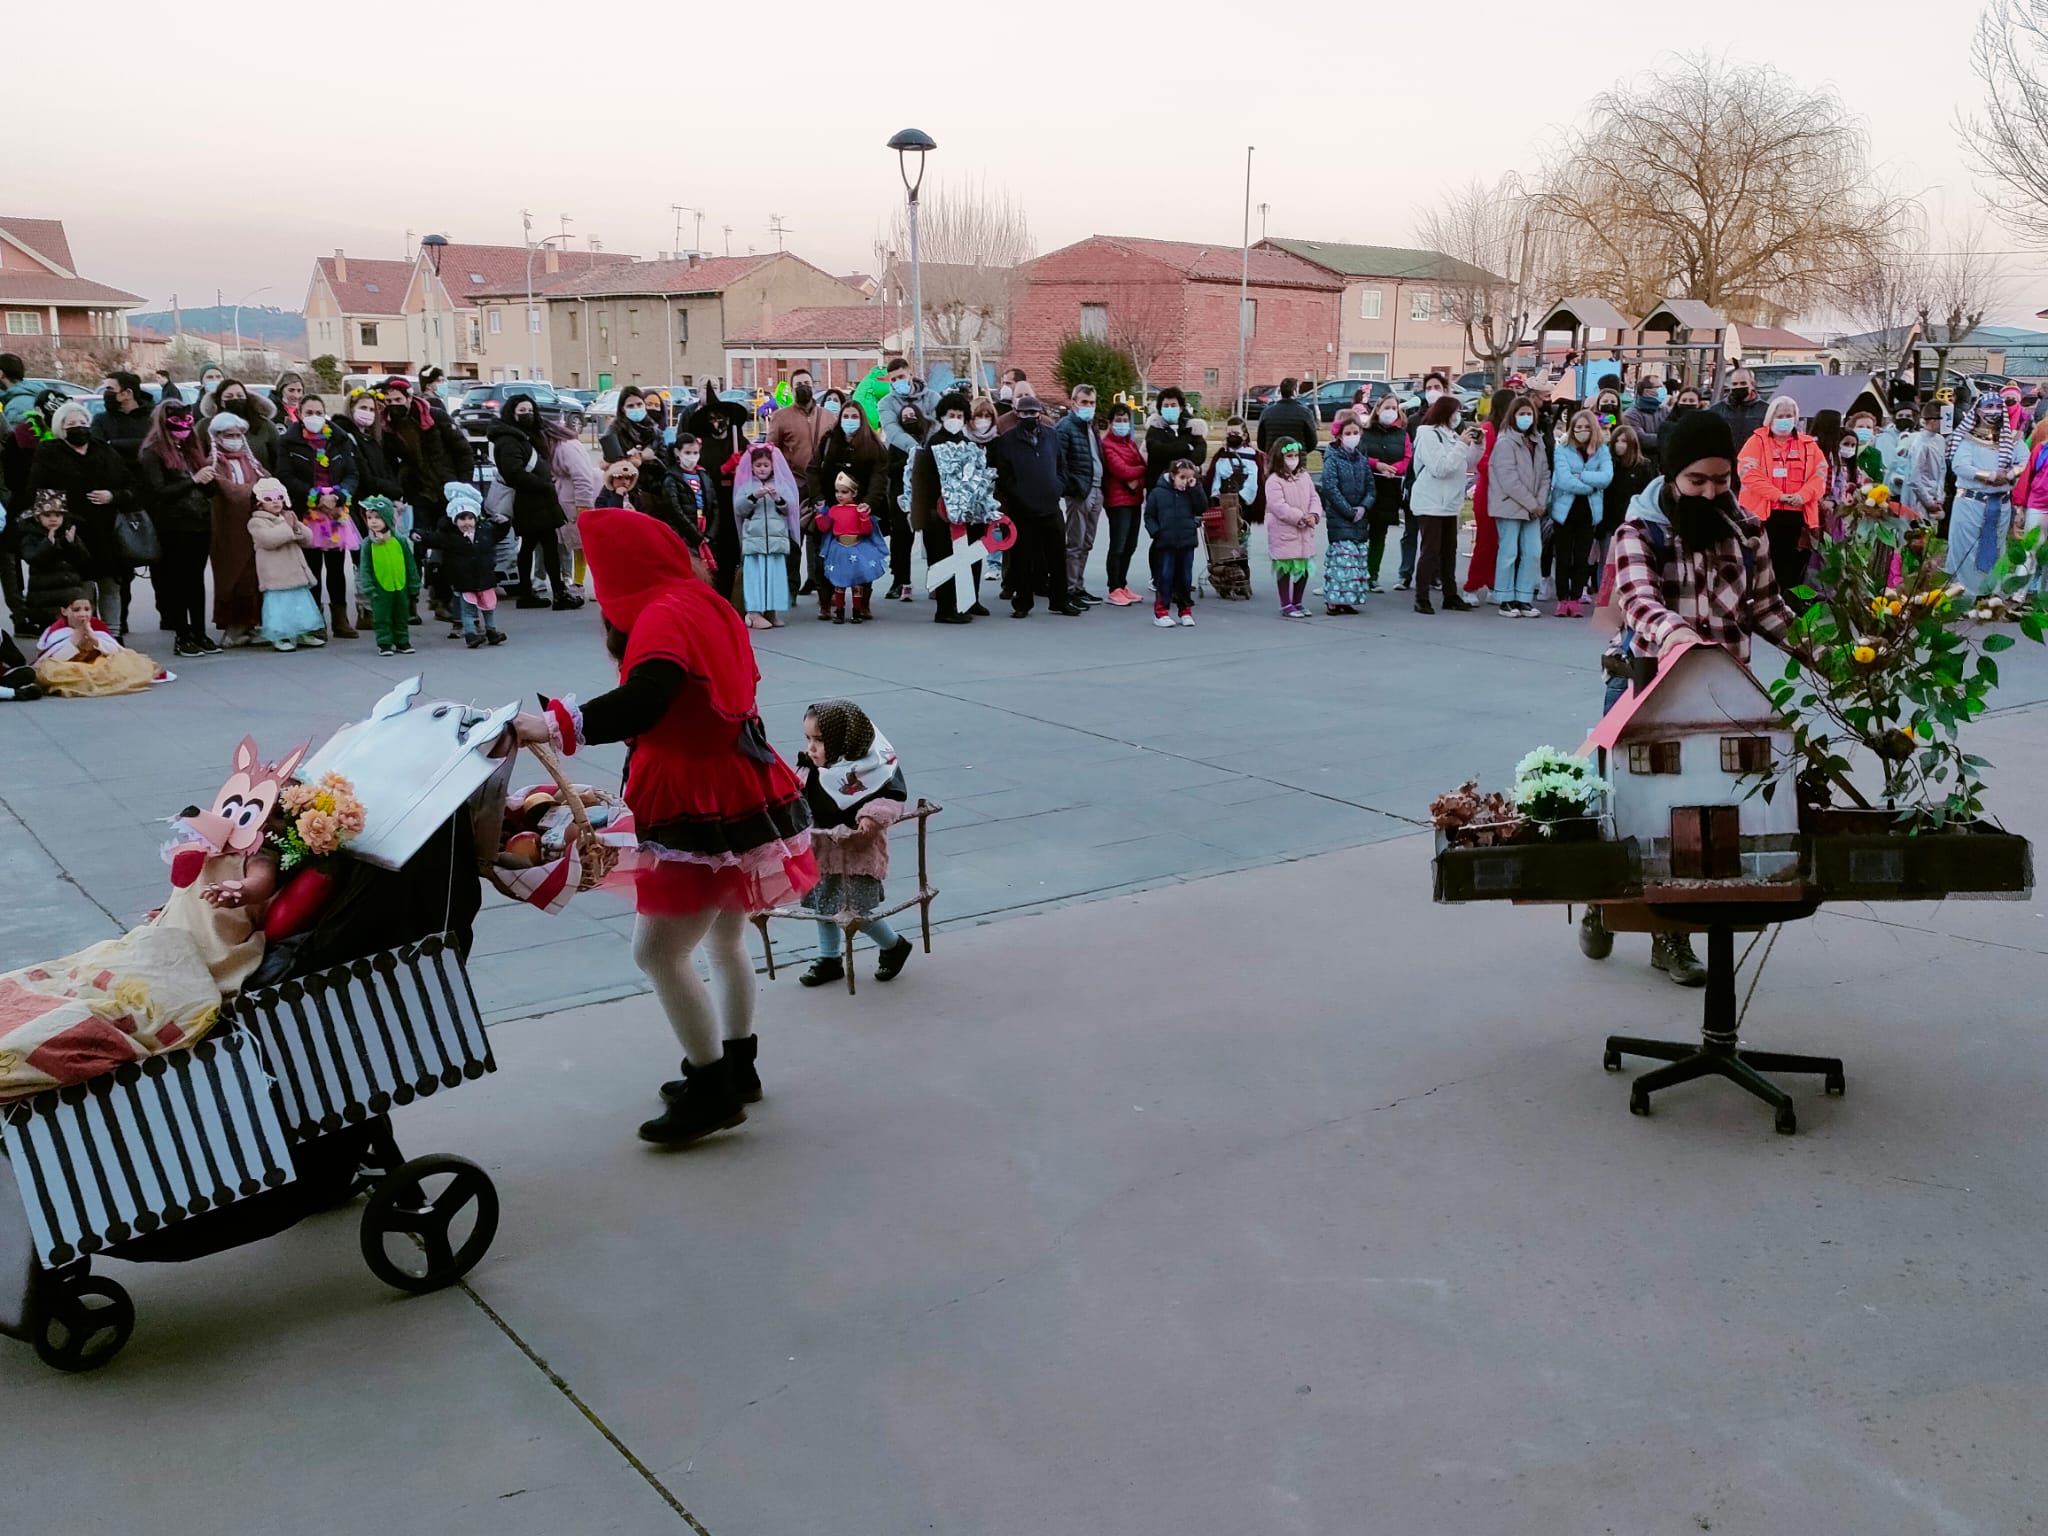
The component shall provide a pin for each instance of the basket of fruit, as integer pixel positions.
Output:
(555, 841)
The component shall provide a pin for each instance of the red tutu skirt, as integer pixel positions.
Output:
(730, 831)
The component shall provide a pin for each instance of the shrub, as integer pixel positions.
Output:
(1084, 360)
(327, 370)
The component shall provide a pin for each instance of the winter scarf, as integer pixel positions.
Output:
(861, 765)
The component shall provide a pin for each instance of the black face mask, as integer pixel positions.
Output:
(1703, 521)
(77, 437)
(803, 394)
(239, 406)
(1738, 396)
(1680, 410)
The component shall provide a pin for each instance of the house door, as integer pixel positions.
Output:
(1706, 842)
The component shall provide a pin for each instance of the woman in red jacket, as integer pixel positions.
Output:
(1123, 497)
(1783, 475)
(1485, 537)
(723, 827)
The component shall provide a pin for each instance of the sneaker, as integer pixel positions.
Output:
(1422, 605)
(474, 642)
(1407, 584)
(405, 650)
(1187, 619)
(207, 643)
(1085, 596)
(1456, 604)
(284, 645)
(564, 603)
(1162, 621)
(184, 647)
(1122, 597)
(894, 958)
(385, 650)
(823, 972)
(494, 637)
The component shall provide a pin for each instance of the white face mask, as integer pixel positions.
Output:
(1388, 418)
(689, 460)
(956, 423)
(1350, 440)
(312, 421)
(1432, 395)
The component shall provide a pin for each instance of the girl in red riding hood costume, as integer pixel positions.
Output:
(724, 829)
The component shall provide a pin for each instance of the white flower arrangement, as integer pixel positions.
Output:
(1553, 786)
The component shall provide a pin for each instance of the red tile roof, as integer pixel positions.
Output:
(144, 334)
(355, 297)
(503, 269)
(714, 274)
(44, 236)
(1214, 263)
(866, 325)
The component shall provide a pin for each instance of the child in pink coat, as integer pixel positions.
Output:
(1293, 508)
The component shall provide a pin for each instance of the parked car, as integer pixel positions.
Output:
(482, 404)
(1334, 396)
(1257, 398)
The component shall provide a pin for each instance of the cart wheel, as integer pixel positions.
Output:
(84, 1325)
(429, 1200)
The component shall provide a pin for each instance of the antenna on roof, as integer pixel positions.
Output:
(777, 228)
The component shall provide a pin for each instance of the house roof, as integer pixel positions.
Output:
(1585, 310)
(143, 333)
(1684, 315)
(1613, 726)
(373, 287)
(1394, 261)
(499, 271)
(44, 241)
(866, 325)
(1208, 263)
(713, 274)
(1772, 338)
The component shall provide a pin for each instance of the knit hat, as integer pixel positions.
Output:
(226, 421)
(1694, 436)
(462, 497)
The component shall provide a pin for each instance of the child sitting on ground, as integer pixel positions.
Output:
(856, 552)
(469, 555)
(291, 616)
(79, 658)
(389, 576)
(854, 787)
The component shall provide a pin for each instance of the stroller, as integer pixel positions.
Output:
(283, 1110)
(1226, 558)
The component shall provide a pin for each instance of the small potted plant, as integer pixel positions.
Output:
(1469, 819)
(1888, 660)
(1558, 795)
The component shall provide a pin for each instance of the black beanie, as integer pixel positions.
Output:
(1694, 436)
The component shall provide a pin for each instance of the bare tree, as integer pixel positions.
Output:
(1958, 287)
(1884, 298)
(1500, 267)
(2009, 57)
(1729, 182)
(1144, 320)
(969, 238)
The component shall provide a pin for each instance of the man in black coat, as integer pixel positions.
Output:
(1289, 416)
(1741, 409)
(1027, 470)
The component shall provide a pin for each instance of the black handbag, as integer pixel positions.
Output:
(135, 537)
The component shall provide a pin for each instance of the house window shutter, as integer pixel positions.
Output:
(1653, 757)
(1745, 754)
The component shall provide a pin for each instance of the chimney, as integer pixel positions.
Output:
(340, 266)
(554, 260)
(696, 260)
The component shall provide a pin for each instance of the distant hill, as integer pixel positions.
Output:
(258, 324)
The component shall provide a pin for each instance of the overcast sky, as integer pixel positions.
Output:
(1127, 119)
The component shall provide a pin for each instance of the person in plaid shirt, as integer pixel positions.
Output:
(1689, 565)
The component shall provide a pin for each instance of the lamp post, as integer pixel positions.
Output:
(245, 298)
(914, 141)
(433, 247)
(1244, 280)
(532, 330)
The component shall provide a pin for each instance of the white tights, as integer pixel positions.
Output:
(665, 947)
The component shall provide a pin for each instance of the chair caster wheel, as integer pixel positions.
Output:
(1638, 1103)
(1788, 1122)
(447, 1209)
(1611, 1061)
(84, 1326)
(1835, 1083)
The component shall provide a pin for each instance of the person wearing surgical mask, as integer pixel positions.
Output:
(1986, 458)
(1387, 448)
(1518, 479)
(1172, 438)
(632, 428)
(1080, 461)
(1782, 478)
(952, 499)
(1123, 497)
(1649, 413)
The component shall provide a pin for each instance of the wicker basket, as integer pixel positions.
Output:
(596, 858)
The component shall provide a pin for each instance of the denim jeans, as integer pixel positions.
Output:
(1521, 550)
(877, 929)
(477, 620)
(1410, 532)
(1173, 578)
(108, 600)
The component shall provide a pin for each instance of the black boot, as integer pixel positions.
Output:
(746, 1082)
(1672, 954)
(706, 1104)
(823, 971)
(894, 958)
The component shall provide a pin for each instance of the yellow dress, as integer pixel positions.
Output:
(115, 670)
(230, 939)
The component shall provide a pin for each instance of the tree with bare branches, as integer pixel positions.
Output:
(969, 238)
(1726, 182)
(1958, 288)
(2003, 140)
(1501, 267)
(1908, 295)
(1144, 321)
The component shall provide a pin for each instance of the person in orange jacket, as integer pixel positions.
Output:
(1784, 475)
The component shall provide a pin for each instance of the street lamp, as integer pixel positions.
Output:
(433, 247)
(532, 328)
(914, 141)
(245, 298)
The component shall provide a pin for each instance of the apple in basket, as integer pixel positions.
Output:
(522, 850)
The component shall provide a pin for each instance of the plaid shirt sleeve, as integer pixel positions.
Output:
(1639, 590)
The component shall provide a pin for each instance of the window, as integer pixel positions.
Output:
(1095, 321)
(1420, 304)
(533, 320)
(370, 287)
(1446, 307)
(1368, 303)
(632, 322)
(575, 380)
(497, 322)
(21, 322)
(1208, 378)
(366, 335)
(575, 324)
(476, 277)
(476, 335)
(1367, 365)
(1745, 754)
(682, 327)
(689, 379)
(1653, 757)
(1248, 322)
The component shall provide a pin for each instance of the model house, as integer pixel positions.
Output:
(1684, 757)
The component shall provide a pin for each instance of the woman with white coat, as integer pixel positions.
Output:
(1443, 466)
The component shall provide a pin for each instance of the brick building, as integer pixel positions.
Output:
(838, 343)
(1400, 314)
(1172, 306)
(52, 317)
